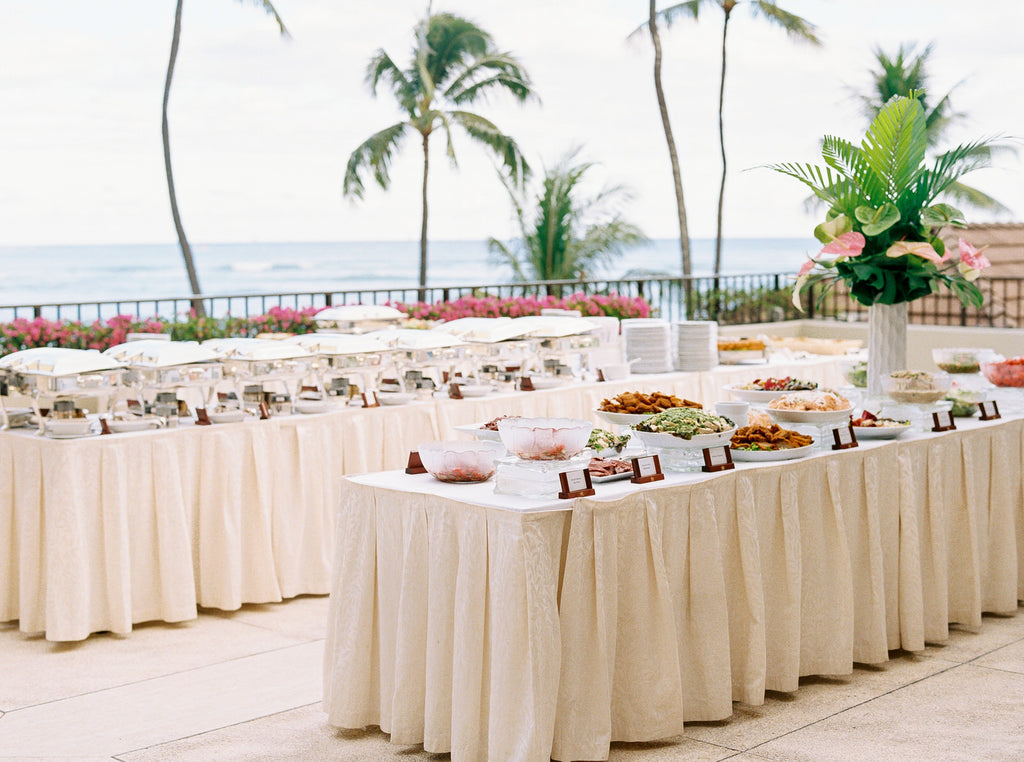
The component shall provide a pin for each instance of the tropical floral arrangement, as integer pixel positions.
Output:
(613, 305)
(882, 228)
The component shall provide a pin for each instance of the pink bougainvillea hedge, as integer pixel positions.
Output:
(23, 333)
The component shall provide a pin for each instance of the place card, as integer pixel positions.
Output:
(454, 392)
(264, 409)
(104, 428)
(526, 384)
(202, 418)
(575, 484)
(415, 465)
(717, 459)
(989, 410)
(600, 375)
(646, 468)
(943, 421)
(843, 437)
(370, 401)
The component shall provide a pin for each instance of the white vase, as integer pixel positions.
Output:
(887, 344)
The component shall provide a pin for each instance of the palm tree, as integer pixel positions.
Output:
(186, 250)
(795, 26)
(565, 234)
(906, 74)
(454, 63)
(684, 234)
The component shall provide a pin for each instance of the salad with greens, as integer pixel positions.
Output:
(685, 422)
(601, 439)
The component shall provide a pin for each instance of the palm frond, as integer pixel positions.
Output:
(499, 70)
(270, 10)
(452, 43)
(689, 9)
(382, 67)
(796, 27)
(849, 161)
(895, 145)
(503, 146)
(375, 156)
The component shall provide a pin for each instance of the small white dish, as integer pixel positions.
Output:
(311, 407)
(880, 432)
(475, 390)
(75, 427)
(546, 383)
(818, 417)
(395, 398)
(121, 426)
(227, 416)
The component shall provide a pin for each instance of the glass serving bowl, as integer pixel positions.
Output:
(916, 387)
(460, 461)
(1008, 372)
(544, 438)
(855, 372)
(961, 359)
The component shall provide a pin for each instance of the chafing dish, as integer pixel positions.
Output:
(340, 357)
(262, 362)
(60, 373)
(358, 318)
(156, 365)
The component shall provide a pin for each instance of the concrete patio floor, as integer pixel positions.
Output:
(245, 685)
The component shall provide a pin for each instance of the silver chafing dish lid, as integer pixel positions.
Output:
(256, 349)
(153, 353)
(58, 361)
(339, 343)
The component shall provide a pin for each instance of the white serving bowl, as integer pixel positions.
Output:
(663, 441)
(460, 462)
(544, 438)
(227, 416)
(69, 427)
(395, 398)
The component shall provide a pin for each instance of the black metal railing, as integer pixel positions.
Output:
(729, 299)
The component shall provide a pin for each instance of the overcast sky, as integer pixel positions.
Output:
(261, 127)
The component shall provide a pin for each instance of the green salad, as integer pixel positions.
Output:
(606, 440)
(685, 422)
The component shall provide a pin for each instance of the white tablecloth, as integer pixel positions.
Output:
(97, 534)
(504, 628)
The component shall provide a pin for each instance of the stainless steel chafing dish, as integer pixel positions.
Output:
(358, 318)
(340, 357)
(156, 364)
(434, 352)
(59, 372)
(258, 362)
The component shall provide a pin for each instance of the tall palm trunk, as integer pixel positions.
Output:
(186, 250)
(721, 143)
(684, 235)
(423, 226)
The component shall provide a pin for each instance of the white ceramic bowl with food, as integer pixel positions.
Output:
(460, 462)
(544, 438)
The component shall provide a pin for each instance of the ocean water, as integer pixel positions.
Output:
(56, 274)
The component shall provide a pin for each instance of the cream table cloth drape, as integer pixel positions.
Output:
(505, 628)
(97, 534)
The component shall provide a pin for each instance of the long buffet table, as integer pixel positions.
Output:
(499, 627)
(99, 533)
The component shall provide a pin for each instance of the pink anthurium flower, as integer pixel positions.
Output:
(806, 267)
(972, 257)
(847, 245)
(917, 248)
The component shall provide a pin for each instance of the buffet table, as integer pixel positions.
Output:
(100, 533)
(521, 629)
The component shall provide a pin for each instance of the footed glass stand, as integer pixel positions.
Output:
(534, 478)
(919, 415)
(678, 459)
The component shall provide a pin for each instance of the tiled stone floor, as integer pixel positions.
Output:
(246, 686)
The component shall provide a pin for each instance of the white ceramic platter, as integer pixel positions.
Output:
(763, 456)
(880, 432)
(753, 395)
(622, 419)
(817, 417)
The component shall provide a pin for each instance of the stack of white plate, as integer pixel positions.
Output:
(696, 344)
(647, 344)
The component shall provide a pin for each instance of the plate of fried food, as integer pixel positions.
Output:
(628, 408)
(487, 430)
(765, 443)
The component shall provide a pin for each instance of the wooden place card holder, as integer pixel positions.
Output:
(989, 410)
(415, 465)
(943, 421)
(843, 437)
(526, 384)
(264, 409)
(454, 392)
(646, 468)
(104, 428)
(600, 375)
(717, 459)
(575, 484)
(370, 399)
(202, 417)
